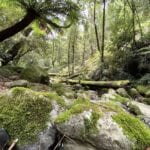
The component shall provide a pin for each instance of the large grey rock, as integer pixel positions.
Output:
(47, 138)
(76, 145)
(107, 96)
(17, 83)
(109, 134)
(145, 109)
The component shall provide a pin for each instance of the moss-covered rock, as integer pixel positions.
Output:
(35, 74)
(25, 113)
(144, 90)
(79, 106)
(134, 93)
(118, 98)
(122, 92)
(133, 109)
(135, 130)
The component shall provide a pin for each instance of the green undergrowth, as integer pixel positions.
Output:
(8, 71)
(59, 88)
(34, 74)
(24, 113)
(136, 130)
(77, 107)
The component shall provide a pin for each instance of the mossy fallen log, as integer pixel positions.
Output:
(57, 74)
(107, 84)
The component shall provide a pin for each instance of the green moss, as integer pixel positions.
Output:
(133, 109)
(120, 99)
(78, 107)
(145, 90)
(55, 97)
(24, 113)
(91, 124)
(59, 88)
(111, 106)
(136, 131)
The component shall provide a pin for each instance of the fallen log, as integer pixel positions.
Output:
(74, 75)
(57, 74)
(105, 84)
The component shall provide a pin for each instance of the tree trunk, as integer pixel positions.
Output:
(73, 56)
(19, 26)
(53, 55)
(133, 22)
(95, 27)
(103, 32)
(84, 50)
(106, 84)
(69, 46)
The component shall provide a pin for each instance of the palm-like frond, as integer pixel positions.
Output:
(54, 12)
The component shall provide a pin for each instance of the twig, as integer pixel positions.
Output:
(13, 144)
(59, 142)
(66, 136)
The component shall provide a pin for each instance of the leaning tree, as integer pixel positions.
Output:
(55, 13)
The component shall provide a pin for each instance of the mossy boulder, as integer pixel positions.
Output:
(105, 125)
(134, 93)
(144, 90)
(36, 74)
(25, 113)
(123, 92)
(134, 129)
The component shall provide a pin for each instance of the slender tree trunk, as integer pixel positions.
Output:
(69, 46)
(138, 20)
(95, 27)
(133, 22)
(124, 13)
(29, 17)
(53, 55)
(73, 55)
(73, 48)
(83, 54)
(103, 32)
